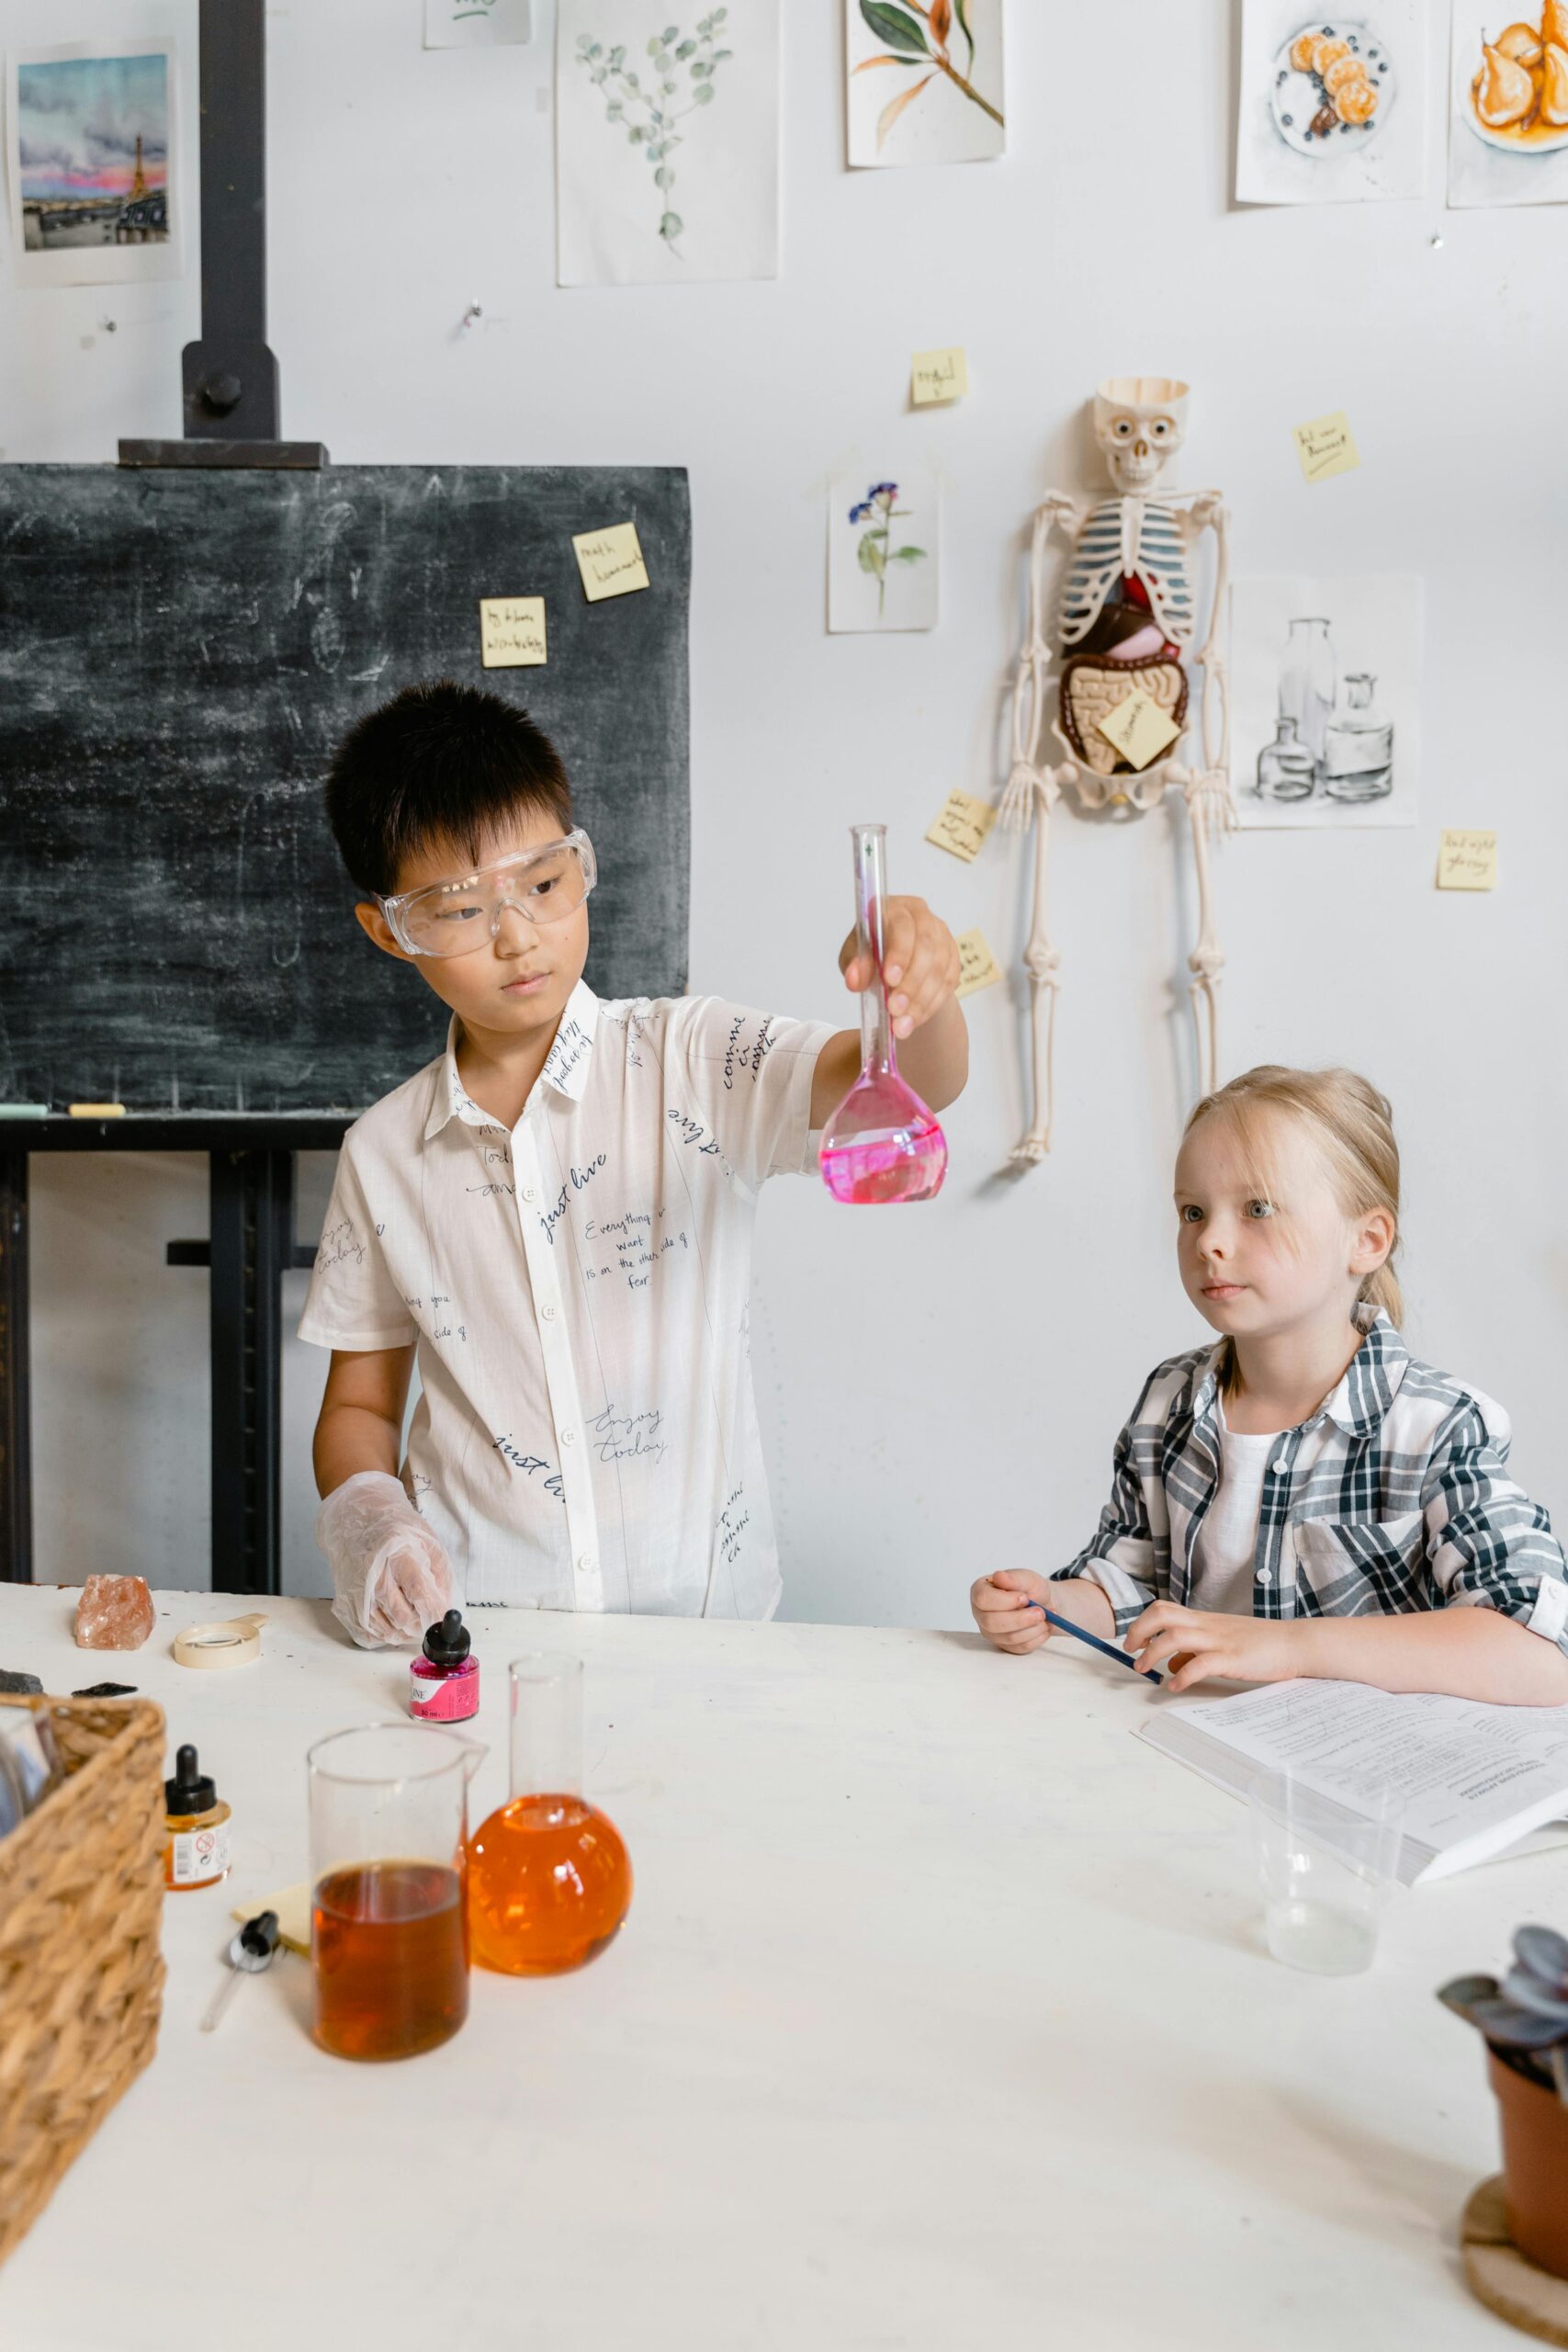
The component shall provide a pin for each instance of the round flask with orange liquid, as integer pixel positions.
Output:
(549, 1881)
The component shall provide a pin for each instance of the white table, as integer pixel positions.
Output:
(940, 2022)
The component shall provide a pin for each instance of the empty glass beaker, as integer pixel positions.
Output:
(1326, 1869)
(548, 1878)
(389, 1925)
(882, 1144)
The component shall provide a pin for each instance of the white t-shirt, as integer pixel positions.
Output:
(1225, 1558)
(579, 1290)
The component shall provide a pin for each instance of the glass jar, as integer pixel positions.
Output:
(1358, 759)
(1285, 769)
(1307, 674)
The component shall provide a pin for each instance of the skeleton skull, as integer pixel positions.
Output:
(1140, 422)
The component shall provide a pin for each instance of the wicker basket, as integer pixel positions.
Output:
(81, 1973)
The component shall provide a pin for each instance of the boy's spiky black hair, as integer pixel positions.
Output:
(438, 763)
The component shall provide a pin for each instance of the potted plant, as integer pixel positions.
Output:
(1525, 2023)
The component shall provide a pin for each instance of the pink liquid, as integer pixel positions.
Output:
(884, 1166)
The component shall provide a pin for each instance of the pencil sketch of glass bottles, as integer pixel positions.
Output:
(1331, 734)
(1357, 757)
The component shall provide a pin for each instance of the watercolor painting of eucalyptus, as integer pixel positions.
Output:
(681, 68)
(952, 111)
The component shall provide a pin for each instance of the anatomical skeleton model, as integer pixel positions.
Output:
(1127, 619)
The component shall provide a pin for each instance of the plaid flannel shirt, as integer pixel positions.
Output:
(1392, 1497)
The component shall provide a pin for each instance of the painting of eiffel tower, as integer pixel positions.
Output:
(91, 160)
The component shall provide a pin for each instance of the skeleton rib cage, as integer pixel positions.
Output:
(1130, 538)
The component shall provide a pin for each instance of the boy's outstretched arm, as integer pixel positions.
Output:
(920, 966)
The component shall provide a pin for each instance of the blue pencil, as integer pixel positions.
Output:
(1065, 1625)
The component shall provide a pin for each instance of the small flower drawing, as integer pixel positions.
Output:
(681, 67)
(919, 33)
(881, 509)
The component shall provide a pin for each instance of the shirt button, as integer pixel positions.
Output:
(529, 1193)
(586, 1564)
(1263, 1575)
(1279, 1467)
(548, 1313)
(568, 1437)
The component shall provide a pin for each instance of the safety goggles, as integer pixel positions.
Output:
(454, 918)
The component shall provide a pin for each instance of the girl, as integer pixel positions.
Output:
(1305, 1499)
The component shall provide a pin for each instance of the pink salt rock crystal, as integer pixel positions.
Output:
(114, 1613)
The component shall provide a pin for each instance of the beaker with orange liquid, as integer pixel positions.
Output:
(388, 1921)
(548, 1878)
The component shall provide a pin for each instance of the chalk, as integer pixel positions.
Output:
(24, 1109)
(96, 1110)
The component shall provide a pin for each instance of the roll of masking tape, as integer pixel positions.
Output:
(235, 1642)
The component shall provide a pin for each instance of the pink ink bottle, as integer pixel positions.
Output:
(443, 1682)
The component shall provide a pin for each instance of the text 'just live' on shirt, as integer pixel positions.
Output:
(580, 1292)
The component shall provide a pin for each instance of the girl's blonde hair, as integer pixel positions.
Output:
(1353, 1126)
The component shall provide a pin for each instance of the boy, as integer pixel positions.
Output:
(556, 1212)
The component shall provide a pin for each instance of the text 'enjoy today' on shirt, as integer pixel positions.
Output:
(579, 1289)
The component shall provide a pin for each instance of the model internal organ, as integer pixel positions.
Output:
(1348, 89)
(1127, 619)
(1521, 91)
(1127, 612)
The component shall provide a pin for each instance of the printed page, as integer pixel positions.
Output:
(1474, 1778)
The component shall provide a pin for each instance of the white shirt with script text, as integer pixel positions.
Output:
(578, 1290)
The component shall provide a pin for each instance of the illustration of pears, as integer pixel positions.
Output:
(1554, 24)
(1504, 91)
(1554, 89)
(1522, 44)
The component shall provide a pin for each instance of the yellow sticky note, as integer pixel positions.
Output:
(938, 375)
(1139, 728)
(1327, 446)
(512, 632)
(611, 562)
(961, 825)
(978, 967)
(1467, 862)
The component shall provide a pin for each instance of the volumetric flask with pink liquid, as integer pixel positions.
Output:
(882, 1144)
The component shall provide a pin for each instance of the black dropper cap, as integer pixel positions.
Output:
(447, 1644)
(259, 1936)
(189, 1791)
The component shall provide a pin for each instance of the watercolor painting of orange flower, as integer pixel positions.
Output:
(925, 80)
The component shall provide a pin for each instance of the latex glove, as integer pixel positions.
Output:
(390, 1578)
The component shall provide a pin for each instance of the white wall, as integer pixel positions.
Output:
(940, 1390)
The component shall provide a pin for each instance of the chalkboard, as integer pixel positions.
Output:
(180, 652)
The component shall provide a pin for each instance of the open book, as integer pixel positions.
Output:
(1474, 1779)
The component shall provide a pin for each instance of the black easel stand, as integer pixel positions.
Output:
(251, 1180)
(231, 406)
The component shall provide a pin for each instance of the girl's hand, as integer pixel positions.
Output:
(1000, 1604)
(920, 965)
(1204, 1645)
